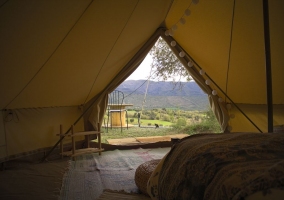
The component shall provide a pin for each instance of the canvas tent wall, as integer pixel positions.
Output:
(236, 31)
(59, 57)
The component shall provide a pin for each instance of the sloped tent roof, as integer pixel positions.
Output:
(69, 49)
(68, 53)
(226, 39)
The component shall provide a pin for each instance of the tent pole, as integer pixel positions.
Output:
(268, 66)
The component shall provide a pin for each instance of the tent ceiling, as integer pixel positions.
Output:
(61, 53)
(239, 70)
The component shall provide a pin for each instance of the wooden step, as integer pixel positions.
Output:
(82, 151)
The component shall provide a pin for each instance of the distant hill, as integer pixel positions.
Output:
(164, 95)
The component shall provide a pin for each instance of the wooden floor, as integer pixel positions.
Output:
(111, 195)
(144, 140)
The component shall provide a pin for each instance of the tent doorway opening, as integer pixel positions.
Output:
(166, 101)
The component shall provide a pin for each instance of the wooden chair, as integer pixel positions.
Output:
(116, 110)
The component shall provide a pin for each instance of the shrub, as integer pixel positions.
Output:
(131, 120)
(181, 122)
(149, 124)
(167, 118)
(152, 115)
(204, 126)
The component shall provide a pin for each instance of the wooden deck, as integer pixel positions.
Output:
(144, 140)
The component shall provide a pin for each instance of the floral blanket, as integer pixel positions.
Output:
(221, 166)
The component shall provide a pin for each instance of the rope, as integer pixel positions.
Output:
(139, 86)
(146, 91)
(230, 48)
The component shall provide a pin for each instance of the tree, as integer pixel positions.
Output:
(165, 64)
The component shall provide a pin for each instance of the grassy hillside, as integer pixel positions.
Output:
(199, 103)
(164, 95)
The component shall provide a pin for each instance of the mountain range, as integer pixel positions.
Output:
(184, 95)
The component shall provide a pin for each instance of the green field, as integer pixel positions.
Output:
(145, 122)
(177, 121)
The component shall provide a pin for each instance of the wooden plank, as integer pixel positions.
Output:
(83, 133)
(62, 134)
(75, 152)
(73, 141)
(66, 153)
(82, 151)
(80, 133)
(61, 142)
(86, 150)
(99, 138)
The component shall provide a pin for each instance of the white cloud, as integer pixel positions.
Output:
(143, 71)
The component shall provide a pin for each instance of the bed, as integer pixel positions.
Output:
(221, 166)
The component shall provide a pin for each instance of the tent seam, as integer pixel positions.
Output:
(110, 52)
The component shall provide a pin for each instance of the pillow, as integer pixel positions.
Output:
(143, 173)
(152, 185)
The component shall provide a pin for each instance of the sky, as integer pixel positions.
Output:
(143, 71)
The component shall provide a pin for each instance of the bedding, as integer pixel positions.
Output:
(221, 166)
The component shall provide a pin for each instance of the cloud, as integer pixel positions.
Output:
(143, 71)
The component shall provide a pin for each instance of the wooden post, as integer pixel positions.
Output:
(88, 141)
(61, 141)
(99, 139)
(73, 141)
(268, 66)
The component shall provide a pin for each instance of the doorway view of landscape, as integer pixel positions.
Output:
(165, 98)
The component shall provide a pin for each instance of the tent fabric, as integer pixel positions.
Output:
(226, 39)
(217, 107)
(59, 60)
(69, 47)
(30, 131)
(100, 102)
(96, 113)
(62, 54)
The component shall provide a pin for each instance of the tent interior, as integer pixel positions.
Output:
(60, 59)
